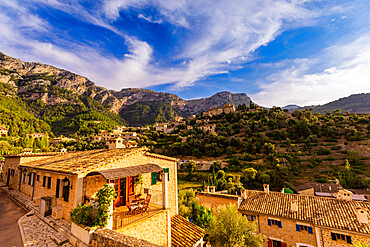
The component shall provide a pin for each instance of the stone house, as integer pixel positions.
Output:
(209, 127)
(227, 108)
(118, 129)
(67, 179)
(297, 220)
(3, 131)
(129, 135)
(37, 135)
(160, 126)
(309, 189)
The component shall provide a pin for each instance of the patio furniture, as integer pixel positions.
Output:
(133, 207)
(145, 205)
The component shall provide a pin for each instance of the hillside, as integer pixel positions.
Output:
(54, 87)
(357, 103)
(280, 148)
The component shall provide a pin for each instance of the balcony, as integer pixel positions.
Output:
(122, 217)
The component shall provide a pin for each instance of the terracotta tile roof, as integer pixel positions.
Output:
(46, 154)
(184, 233)
(82, 162)
(321, 211)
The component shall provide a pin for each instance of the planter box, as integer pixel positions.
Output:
(82, 233)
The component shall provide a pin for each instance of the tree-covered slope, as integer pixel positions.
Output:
(357, 103)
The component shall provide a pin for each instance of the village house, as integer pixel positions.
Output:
(57, 182)
(37, 135)
(160, 126)
(3, 131)
(227, 108)
(299, 220)
(208, 127)
(310, 189)
(118, 129)
(129, 135)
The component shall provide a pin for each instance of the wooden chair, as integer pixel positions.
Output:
(133, 208)
(146, 203)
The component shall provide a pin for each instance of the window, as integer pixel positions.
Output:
(154, 178)
(341, 237)
(38, 177)
(251, 217)
(303, 228)
(49, 182)
(46, 182)
(272, 222)
(24, 177)
(30, 178)
(12, 172)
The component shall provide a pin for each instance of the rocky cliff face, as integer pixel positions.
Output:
(36, 81)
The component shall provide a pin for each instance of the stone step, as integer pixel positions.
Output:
(59, 239)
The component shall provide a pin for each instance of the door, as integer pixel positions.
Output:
(57, 188)
(123, 194)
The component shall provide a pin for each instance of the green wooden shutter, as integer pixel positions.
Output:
(167, 170)
(154, 178)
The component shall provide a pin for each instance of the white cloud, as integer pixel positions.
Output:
(296, 85)
(221, 36)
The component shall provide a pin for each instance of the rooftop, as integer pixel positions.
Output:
(83, 161)
(320, 187)
(184, 233)
(321, 211)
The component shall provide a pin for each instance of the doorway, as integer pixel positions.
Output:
(123, 188)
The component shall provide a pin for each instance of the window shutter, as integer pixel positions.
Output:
(283, 244)
(269, 222)
(44, 182)
(154, 178)
(310, 230)
(298, 227)
(279, 224)
(49, 182)
(349, 240)
(167, 170)
(333, 237)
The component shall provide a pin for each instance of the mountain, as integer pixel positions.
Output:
(357, 103)
(291, 107)
(66, 101)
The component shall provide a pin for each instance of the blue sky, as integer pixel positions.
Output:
(278, 52)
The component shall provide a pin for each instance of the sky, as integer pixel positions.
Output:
(278, 52)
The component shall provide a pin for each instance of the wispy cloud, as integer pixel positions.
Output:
(344, 71)
(220, 36)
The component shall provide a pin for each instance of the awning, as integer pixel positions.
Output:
(127, 171)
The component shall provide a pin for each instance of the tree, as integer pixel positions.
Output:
(215, 167)
(231, 229)
(191, 165)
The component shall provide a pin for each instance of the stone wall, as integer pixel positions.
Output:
(325, 236)
(153, 228)
(110, 238)
(212, 200)
(308, 192)
(287, 233)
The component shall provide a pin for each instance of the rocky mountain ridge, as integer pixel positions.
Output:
(53, 86)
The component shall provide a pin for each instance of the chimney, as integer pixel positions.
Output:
(206, 189)
(345, 195)
(294, 206)
(213, 189)
(362, 216)
(244, 194)
(266, 188)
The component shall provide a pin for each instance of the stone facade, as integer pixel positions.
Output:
(218, 110)
(109, 238)
(287, 234)
(307, 192)
(326, 239)
(216, 200)
(157, 225)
